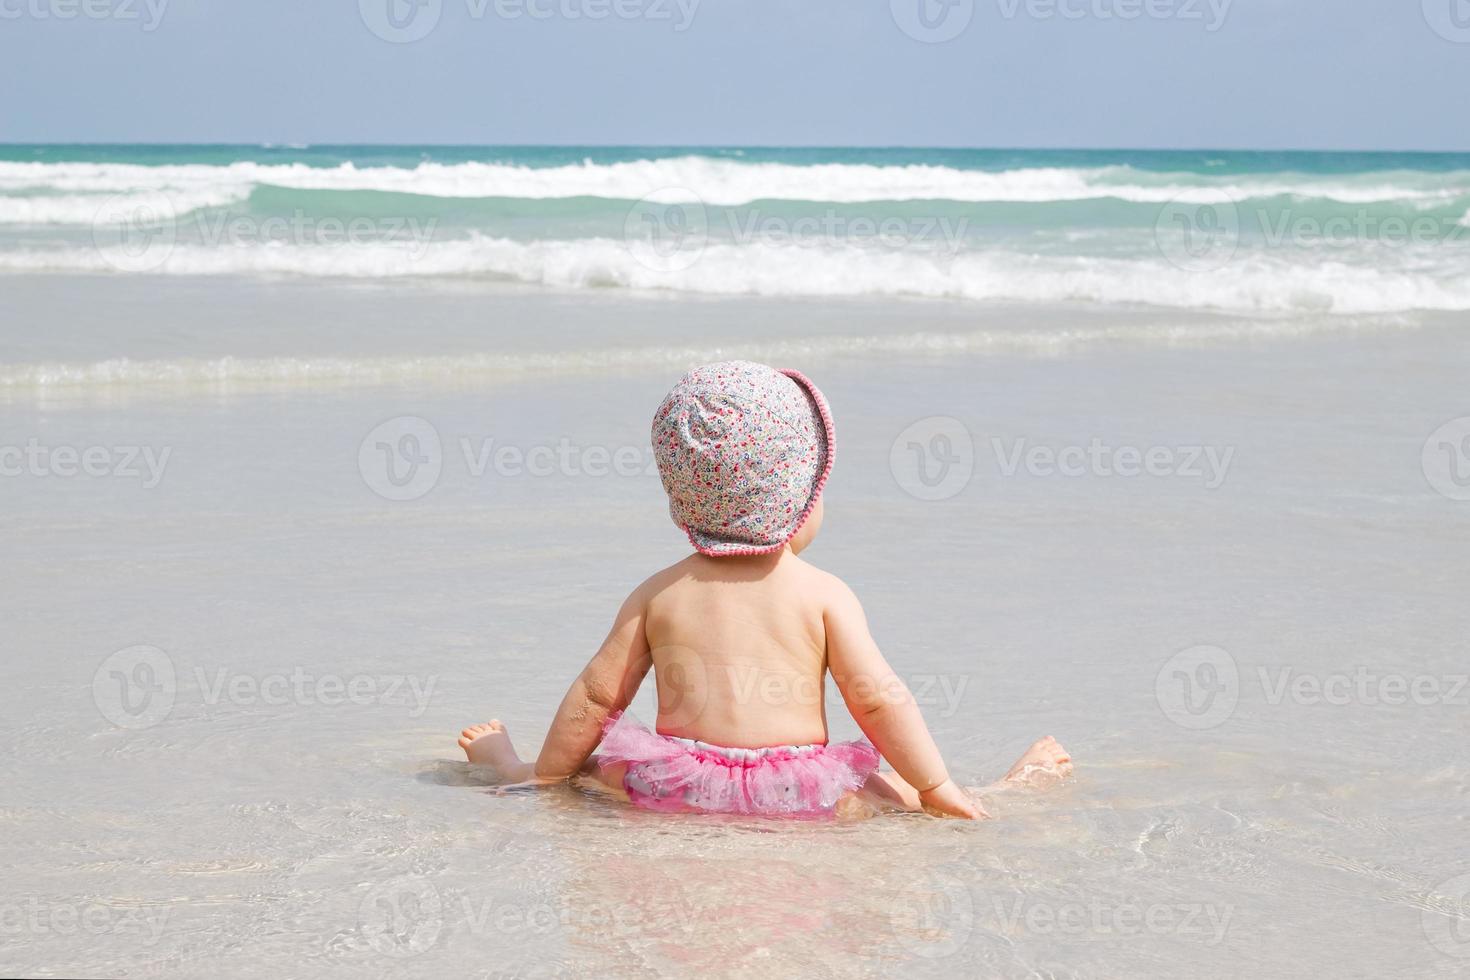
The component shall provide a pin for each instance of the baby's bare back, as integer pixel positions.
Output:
(740, 650)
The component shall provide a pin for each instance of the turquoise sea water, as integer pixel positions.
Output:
(1247, 232)
(1226, 161)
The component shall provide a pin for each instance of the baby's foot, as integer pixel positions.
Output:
(1044, 764)
(488, 744)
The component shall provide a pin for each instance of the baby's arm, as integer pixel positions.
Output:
(884, 709)
(605, 686)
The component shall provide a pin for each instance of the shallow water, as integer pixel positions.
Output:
(299, 808)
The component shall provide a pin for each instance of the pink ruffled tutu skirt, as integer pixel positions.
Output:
(682, 775)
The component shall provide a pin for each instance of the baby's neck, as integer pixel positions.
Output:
(738, 568)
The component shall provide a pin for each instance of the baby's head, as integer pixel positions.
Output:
(744, 451)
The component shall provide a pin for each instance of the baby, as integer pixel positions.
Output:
(741, 635)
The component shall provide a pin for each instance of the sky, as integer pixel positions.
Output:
(1265, 74)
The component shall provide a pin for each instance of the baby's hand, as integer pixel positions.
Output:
(948, 800)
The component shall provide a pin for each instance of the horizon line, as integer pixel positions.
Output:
(293, 145)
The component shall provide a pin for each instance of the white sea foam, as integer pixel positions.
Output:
(293, 372)
(732, 182)
(1253, 282)
(103, 208)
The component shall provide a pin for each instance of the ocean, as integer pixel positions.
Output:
(312, 456)
(1339, 233)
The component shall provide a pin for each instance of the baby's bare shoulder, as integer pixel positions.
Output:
(826, 589)
(661, 581)
(678, 583)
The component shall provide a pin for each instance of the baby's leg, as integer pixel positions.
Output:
(888, 791)
(488, 744)
(1041, 766)
(608, 780)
